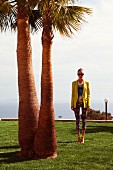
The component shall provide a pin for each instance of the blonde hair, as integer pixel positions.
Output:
(80, 69)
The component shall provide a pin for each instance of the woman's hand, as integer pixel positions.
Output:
(72, 108)
(88, 108)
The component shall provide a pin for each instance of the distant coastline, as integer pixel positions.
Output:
(9, 109)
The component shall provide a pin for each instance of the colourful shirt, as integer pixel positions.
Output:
(80, 91)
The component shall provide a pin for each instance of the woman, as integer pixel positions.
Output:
(80, 99)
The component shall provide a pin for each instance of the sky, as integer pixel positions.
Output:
(91, 49)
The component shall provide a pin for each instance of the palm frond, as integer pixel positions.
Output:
(8, 15)
(65, 17)
(70, 16)
(35, 21)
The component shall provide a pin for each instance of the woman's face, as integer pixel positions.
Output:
(80, 74)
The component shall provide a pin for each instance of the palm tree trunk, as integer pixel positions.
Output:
(28, 102)
(45, 140)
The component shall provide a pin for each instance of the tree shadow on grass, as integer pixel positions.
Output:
(10, 157)
(9, 147)
(66, 141)
(97, 129)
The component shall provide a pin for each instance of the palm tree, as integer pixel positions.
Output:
(56, 15)
(28, 102)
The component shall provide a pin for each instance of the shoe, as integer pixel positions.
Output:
(78, 140)
(82, 140)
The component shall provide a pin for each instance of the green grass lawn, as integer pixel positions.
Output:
(95, 154)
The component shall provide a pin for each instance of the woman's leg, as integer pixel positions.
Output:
(83, 123)
(77, 116)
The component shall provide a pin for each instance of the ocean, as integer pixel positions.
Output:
(9, 109)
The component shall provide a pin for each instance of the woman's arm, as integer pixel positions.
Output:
(72, 103)
(88, 94)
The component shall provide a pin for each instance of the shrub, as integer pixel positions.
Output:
(97, 115)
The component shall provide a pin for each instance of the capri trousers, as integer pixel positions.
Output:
(83, 116)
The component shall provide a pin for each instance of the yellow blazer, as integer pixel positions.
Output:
(85, 94)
